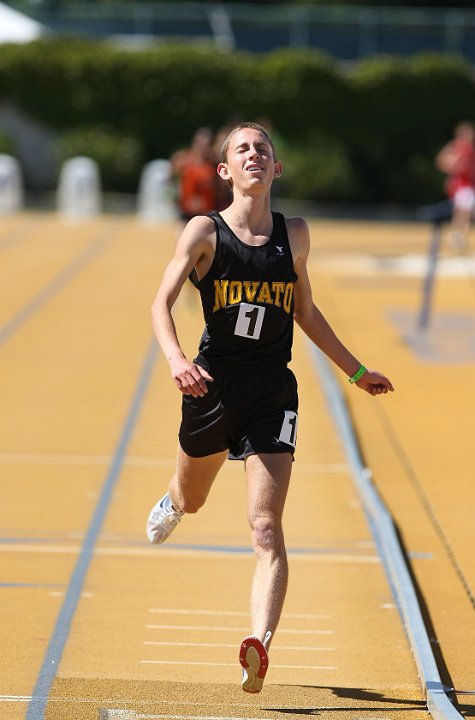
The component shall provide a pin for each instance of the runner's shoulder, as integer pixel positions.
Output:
(198, 236)
(200, 228)
(299, 235)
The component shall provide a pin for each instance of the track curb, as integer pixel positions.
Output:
(384, 532)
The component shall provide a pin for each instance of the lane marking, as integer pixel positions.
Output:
(17, 233)
(62, 549)
(233, 629)
(29, 585)
(234, 613)
(301, 554)
(55, 285)
(37, 707)
(195, 704)
(126, 714)
(223, 664)
(233, 645)
(72, 460)
(408, 266)
(132, 715)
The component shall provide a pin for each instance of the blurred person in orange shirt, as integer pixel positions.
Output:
(196, 171)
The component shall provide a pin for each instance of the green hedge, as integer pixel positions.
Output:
(407, 111)
(7, 146)
(367, 135)
(160, 95)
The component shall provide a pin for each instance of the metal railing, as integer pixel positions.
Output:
(347, 32)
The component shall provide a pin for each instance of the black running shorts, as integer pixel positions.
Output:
(245, 411)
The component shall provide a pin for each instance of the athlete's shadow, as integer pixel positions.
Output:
(357, 694)
(468, 711)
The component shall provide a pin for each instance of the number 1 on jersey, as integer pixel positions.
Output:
(288, 432)
(249, 322)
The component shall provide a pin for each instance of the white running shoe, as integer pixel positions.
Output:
(255, 661)
(162, 520)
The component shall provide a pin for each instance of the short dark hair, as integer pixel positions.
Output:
(242, 126)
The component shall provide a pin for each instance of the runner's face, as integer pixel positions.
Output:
(250, 160)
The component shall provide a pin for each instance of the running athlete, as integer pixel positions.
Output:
(457, 161)
(196, 171)
(239, 397)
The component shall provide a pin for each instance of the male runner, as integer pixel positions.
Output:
(457, 161)
(239, 396)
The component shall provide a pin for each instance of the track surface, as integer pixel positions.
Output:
(96, 623)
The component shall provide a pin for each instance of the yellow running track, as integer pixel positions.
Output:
(98, 624)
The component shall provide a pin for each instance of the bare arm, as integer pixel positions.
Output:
(450, 160)
(313, 323)
(194, 248)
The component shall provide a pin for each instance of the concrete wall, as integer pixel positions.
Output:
(33, 146)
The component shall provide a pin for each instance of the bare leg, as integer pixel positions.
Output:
(193, 479)
(461, 222)
(187, 492)
(268, 481)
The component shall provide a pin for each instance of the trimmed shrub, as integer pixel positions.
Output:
(369, 135)
(320, 170)
(407, 109)
(7, 146)
(160, 95)
(302, 91)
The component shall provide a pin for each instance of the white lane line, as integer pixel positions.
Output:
(132, 715)
(223, 664)
(360, 559)
(233, 645)
(213, 628)
(62, 593)
(122, 714)
(71, 460)
(118, 701)
(146, 551)
(410, 265)
(233, 613)
(81, 460)
(125, 714)
(28, 698)
(27, 548)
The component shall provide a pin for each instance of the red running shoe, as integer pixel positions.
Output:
(255, 661)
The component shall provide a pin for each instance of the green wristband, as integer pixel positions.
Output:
(361, 370)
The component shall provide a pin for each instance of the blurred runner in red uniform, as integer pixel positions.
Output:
(457, 161)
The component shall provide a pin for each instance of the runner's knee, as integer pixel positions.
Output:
(192, 505)
(189, 503)
(266, 534)
(186, 497)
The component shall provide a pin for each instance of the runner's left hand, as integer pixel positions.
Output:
(375, 383)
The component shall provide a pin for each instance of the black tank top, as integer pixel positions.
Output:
(248, 299)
